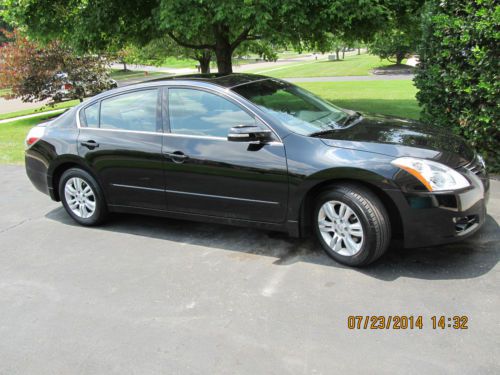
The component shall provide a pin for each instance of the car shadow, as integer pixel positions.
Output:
(468, 259)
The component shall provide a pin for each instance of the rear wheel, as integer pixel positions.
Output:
(352, 224)
(82, 197)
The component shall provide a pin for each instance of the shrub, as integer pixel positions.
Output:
(458, 71)
(36, 72)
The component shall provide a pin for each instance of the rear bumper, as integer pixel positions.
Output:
(36, 169)
(431, 219)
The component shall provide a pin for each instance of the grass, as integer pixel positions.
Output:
(395, 97)
(4, 92)
(12, 136)
(119, 74)
(352, 65)
(63, 105)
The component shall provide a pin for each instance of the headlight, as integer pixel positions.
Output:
(435, 176)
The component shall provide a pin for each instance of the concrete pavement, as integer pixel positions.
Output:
(144, 295)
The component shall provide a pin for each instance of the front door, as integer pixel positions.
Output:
(121, 139)
(206, 174)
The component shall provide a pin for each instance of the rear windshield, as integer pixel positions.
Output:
(299, 110)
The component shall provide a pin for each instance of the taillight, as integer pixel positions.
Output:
(34, 135)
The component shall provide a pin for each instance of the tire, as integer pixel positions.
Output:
(86, 208)
(357, 237)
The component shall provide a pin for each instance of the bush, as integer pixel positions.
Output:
(36, 72)
(458, 71)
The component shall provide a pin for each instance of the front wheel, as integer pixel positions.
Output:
(82, 197)
(352, 224)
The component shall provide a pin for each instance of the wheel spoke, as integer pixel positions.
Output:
(336, 242)
(342, 210)
(351, 246)
(355, 229)
(347, 213)
(90, 205)
(325, 226)
(329, 211)
(70, 189)
(87, 191)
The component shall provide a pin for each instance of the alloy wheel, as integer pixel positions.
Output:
(80, 197)
(341, 228)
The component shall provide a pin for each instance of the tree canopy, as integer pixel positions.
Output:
(219, 26)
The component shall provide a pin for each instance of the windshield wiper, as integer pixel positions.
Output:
(350, 118)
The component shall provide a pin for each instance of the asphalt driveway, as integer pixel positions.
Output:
(145, 295)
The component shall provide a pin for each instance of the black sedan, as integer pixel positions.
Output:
(256, 151)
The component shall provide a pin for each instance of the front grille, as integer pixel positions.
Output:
(476, 166)
(465, 224)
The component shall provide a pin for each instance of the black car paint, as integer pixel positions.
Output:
(263, 185)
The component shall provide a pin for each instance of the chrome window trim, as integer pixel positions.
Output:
(223, 94)
(273, 143)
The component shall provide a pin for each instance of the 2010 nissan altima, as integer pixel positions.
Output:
(257, 151)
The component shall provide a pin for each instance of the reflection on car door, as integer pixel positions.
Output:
(121, 139)
(206, 174)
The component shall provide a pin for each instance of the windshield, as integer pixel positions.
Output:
(297, 109)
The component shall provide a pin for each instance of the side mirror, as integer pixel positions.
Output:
(248, 133)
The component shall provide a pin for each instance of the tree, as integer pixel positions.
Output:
(224, 24)
(334, 43)
(401, 33)
(393, 45)
(5, 28)
(458, 71)
(158, 49)
(35, 72)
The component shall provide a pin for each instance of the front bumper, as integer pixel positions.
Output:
(430, 219)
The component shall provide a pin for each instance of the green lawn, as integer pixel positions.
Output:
(63, 105)
(396, 98)
(12, 136)
(118, 74)
(386, 97)
(4, 92)
(352, 65)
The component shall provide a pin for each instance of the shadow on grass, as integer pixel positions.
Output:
(393, 107)
(465, 260)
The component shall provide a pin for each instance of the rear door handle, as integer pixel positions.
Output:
(90, 144)
(176, 156)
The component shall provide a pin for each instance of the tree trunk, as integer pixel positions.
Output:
(204, 60)
(223, 50)
(359, 51)
(343, 53)
(337, 52)
(400, 57)
(124, 65)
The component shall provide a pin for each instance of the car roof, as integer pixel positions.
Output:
(226, 80)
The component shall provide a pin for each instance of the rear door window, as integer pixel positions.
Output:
(135, 111)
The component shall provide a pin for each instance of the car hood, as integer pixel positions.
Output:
(399, 137)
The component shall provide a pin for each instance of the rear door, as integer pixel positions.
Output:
(121, 140)
(207, 174)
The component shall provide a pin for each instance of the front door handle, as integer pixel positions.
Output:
(176, 156)
(90, 144)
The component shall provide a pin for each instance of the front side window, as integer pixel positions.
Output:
(296, 108)
(197, 112)
(131, 111)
